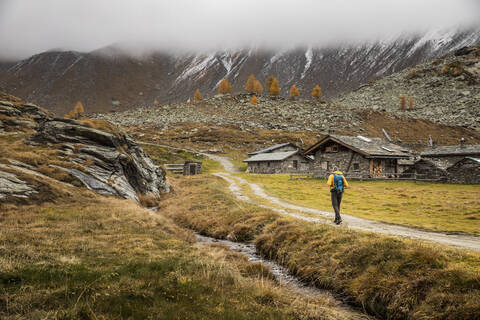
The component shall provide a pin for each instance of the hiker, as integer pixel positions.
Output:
(337, 183)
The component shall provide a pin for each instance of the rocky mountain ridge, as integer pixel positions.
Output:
(445, 90)
(96, 154)
(109, 79)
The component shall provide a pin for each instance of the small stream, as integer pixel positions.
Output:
(283, 276)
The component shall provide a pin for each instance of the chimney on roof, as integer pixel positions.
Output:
(462, 143)
(331, 131)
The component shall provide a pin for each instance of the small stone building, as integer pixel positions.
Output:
(357, 156)
(446, 156)
(427, 170)
(278, 162)
(465, 171)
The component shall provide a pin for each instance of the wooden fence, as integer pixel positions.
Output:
(359, 176)
(175, 167)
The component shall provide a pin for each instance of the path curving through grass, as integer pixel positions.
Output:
(452, 240)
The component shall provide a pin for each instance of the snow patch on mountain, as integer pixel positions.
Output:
(309, 59)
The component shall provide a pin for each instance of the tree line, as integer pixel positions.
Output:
(254, 87)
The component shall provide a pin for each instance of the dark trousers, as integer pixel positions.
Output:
(336, 200)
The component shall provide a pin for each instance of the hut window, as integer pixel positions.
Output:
(332, 148)
(295, 164)
(356, 167)
(268, 164)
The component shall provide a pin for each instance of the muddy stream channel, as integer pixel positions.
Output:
(284, 277)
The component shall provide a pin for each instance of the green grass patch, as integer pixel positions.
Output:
(431, 206)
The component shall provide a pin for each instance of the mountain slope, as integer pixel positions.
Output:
(109, 79)
(445, 90)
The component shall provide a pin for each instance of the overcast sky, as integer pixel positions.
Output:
(32, 26)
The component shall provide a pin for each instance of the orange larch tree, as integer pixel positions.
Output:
(294, 92)
(198, 96)
(254, 101)
(274, 88)
(250, 85)
(317, 92)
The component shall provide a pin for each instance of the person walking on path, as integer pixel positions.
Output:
(337, 183)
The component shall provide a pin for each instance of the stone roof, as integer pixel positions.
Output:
(473, 159)
(272, 156)
(457, 150)
(370, 147)
(272, 148)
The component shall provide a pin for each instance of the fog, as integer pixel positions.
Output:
(33, 26)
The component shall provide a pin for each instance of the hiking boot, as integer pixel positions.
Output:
(337, 222)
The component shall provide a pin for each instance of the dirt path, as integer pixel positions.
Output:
(452, 240)
(461, 241)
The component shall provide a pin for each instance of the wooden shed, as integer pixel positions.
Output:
(278, 162)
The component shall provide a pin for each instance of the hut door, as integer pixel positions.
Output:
(295, 164)
(193, 168)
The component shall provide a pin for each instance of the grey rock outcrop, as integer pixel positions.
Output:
(12, 186)
(111, 163)
(105, 160)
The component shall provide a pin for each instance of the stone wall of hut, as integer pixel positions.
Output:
(285, 166)
(466, 171)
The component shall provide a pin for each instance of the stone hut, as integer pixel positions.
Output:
(465, 171)
(446, 156)
(278, 162)
(427, 170)
(357, 156)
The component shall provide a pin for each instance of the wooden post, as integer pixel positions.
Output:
(371, 167)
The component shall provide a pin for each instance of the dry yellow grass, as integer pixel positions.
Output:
(390, 277)
(91, 257)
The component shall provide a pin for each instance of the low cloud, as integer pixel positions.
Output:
(32, 26)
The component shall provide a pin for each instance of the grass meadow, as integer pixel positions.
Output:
(431, 206)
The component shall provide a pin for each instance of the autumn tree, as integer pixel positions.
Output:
(76, 112)
(274, 88)
(294, 92)
(254, 101)
(224, 87)
(198, 96)
(410, 103)
(268, 83)
(250, 85)
(317, 92)
(403, 103)
(155, 102)
(79, 109)
(257, 87)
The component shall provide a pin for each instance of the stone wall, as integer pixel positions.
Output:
(285, 166)
(466, 171)
(325, 161)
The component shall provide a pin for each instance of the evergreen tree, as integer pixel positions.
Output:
(294, 92)
(254, 101)
(317, 92)
(274, 88)
(198, 96)
(257, 87)
(250, 85)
